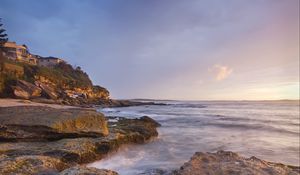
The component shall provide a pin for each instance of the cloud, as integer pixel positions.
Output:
(221, 72)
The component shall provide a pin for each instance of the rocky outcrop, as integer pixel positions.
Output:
(75, 141)
(20, 93)
(26, 90)
(230, 163)
(125, 103)
(81, 170)
(48, 91)
(45, 123)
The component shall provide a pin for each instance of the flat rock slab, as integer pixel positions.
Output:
(45, 123)
(230, 163)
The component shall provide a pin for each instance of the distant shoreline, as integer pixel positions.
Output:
(142, 99)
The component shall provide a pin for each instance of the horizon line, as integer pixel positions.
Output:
(209, 99)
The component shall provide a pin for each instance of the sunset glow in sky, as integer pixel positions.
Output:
(169, 49)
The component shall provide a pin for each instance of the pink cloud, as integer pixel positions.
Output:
(221, 72)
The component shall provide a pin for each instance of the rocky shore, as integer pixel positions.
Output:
(230, 163)
(126, 103)
(47, 140)
(56, 139)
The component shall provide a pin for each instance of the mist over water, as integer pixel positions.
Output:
(266, 129)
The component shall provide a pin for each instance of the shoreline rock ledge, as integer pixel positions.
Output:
(230, 163)
(45, 140)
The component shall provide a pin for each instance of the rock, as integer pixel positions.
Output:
(226, 162)
(150, 121)
(81, 170)
(124, 103)
(30, 164)
(32, 123)
(47, 91)
(53, 150)
(20, 93)
(139, 130)
(26, 90)
(99, 92)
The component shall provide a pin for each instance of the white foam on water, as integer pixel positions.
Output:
(122, 162)
(267, 130)
(113, 120)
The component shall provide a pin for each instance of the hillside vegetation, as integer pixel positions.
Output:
(62, 78)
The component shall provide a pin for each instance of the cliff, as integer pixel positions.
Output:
(60, 83)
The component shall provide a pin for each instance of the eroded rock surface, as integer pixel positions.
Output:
(230, 163)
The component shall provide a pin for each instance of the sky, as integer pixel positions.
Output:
(168, 49)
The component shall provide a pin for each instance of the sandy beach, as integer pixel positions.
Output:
(8, 102)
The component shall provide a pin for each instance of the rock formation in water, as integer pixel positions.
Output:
(230, 163)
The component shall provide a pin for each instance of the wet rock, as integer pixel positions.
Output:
(150, 121)
(26, 90)
(81, 170)
(226, 162)
(140, 129)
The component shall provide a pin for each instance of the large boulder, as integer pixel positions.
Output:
(20, 92)
(47, 90)
(26, 90)
(230, 163)
(32, 123)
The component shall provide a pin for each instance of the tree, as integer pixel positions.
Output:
(3, 35)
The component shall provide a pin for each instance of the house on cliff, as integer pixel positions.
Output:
(20, 53)
(49, 61)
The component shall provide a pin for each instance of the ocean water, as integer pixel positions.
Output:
(266, 129)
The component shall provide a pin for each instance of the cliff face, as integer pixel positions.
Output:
(61, 83)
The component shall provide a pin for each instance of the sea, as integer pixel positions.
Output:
(268, 130)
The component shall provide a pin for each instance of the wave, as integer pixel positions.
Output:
(255, 127)
(237, 119)
(245, 125)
